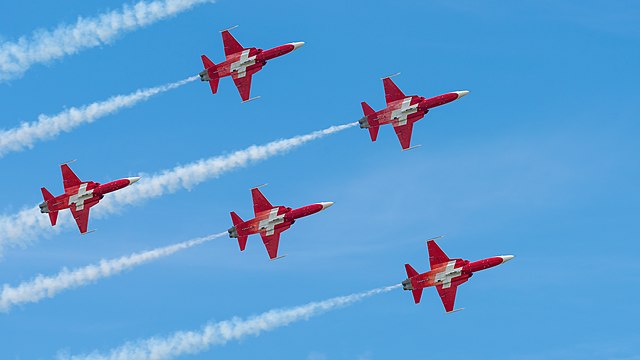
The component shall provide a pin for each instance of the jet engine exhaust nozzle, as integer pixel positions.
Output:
(233, 232)
(406, 285)
(364, 123)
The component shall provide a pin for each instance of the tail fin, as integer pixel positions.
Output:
(417, 293)
(373, 123)
(367, 109)
(53, 215)
(212, 72)
(242, 239)
(236, 219)
(411, 272)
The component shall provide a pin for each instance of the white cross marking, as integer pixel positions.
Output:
(448, 274)
(80, 197)
(406, 109)
(270, 223)
(243, 63)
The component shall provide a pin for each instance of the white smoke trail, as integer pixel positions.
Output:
(48, 127)
(42, 286)
(191, 342)
(43, 46)
(18, 229)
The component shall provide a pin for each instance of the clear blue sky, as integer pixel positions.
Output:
(540, 160)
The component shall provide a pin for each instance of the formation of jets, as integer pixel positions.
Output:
(270, 221)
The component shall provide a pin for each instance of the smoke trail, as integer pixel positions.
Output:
(48, 127)
(191, 342)
(18, 229)
(45, 45)
(42, 286)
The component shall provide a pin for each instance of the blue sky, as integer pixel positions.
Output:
(540, 160)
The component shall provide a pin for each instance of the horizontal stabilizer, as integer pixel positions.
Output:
(242, 241)
(417, 294)
(373, 132)
(53, 217)
(279, 257)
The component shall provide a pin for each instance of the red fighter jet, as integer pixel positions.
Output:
(446, 274)
(269, 221)
(402, 111)
(79, 196)
(240, 63)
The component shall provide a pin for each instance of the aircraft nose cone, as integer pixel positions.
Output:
(461, 93)
(326, 204)
(297, 44)
(133, 179)
(506, 258)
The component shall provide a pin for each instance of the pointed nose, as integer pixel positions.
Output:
(506, 258)
(133, 179)
(297, 44)
(461, 93)
(326, 204)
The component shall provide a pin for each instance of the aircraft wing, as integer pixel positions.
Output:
(82, 216)
(448, 294)
(391, 91)
(231, 45)
(69, 178)
(272, 241)
(404, 134)
(260, 203)
(243, 82)
(436, 255)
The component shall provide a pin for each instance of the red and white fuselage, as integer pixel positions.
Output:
(79, 196)
(402, 111)
(269, 221)
(241, 63)
(446, 274)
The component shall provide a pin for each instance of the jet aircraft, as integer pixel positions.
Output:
(269, 221)
(402, 111)
(446, 274)
(240, 63)
(79, 196)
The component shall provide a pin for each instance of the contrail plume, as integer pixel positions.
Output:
(43, 46)
(192, 342)
(17, 230)
(49, 126)
(42, 286)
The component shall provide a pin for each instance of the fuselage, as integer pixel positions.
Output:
(279, 217)
(249, 61)
(452, 272)
(410, 109)
(86, 194)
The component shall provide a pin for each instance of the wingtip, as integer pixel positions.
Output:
(435, 238)
(228, 29)
(389, 76)
(69, 162)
